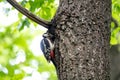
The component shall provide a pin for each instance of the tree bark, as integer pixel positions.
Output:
(82, 41)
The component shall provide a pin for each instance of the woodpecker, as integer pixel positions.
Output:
(47, 47)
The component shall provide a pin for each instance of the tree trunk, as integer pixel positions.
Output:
(82, 41)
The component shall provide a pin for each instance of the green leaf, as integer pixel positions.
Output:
(113, 41)
(24, 23)
(50, 1)
(36, 4)
(17, 77)
(45, 13)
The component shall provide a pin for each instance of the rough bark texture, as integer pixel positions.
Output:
(82, 42)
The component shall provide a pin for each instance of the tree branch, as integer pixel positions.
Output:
(29, 14)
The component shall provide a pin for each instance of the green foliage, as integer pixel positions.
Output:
(24, 23)
(1, 0)
(14, 43)
(15, 40)
(47, 11)
(36, 4)
(115, 30)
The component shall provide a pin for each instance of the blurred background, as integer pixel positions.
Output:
(20, 54)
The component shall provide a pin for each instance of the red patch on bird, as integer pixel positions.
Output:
(52, 54)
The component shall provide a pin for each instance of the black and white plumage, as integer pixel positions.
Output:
(47, 47)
